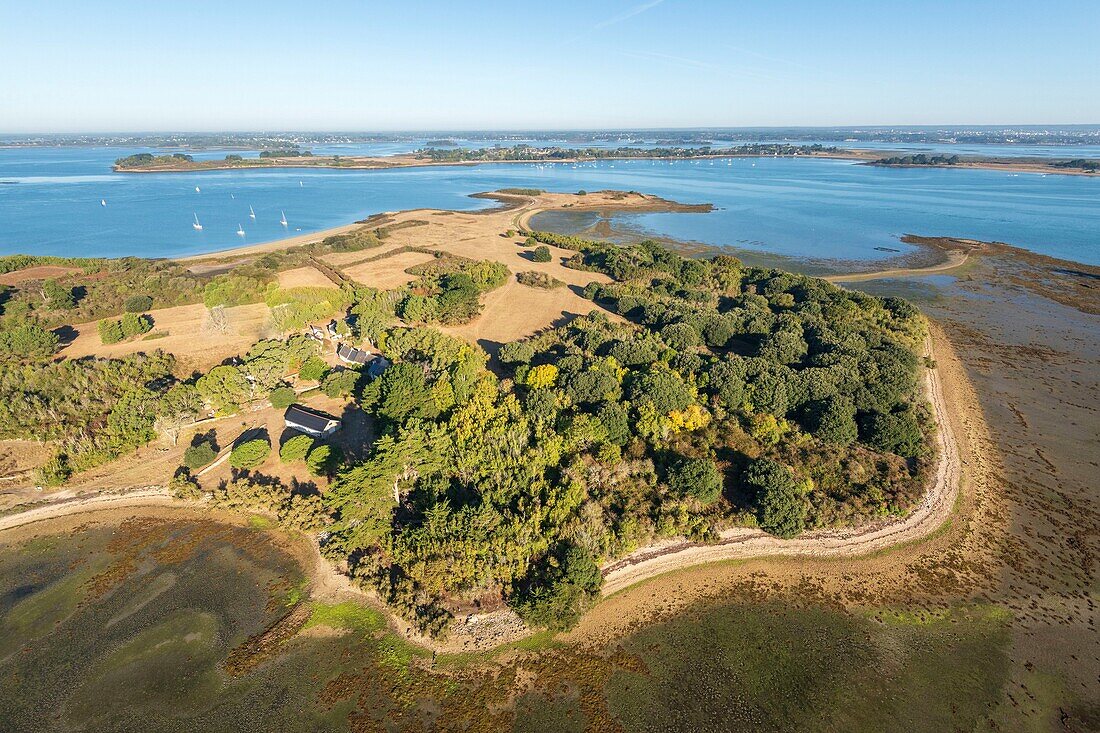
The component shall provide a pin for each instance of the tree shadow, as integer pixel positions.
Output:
(65, 335)
(210, 436)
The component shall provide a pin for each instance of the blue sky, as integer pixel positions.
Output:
(425, 64)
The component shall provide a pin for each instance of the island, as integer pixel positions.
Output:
(468, 416)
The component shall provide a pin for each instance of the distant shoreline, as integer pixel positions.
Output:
(409, 160)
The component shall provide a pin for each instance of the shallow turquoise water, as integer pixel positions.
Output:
(817, 209)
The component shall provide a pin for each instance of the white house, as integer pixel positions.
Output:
(311, 422)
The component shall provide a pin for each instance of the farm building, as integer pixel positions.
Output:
(311, 422)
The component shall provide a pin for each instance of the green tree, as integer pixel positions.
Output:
(224, 388)
(282, 397)
(57, 296)
(780, 506)
(199, 455)
(296, 448)
(28, 341)
(895, 432)
(110, 331)
(833, 420)
(133, 324)
(340, 383)
(313, 369)
(250, 454)
(137, 304)
(696, 477)
(541, 254)
(323, 460)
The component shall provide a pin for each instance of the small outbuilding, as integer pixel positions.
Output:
(311, 422)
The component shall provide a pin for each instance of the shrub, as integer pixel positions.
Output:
(197, 456)
(541, 254)
(696, 477)
(183, 485)
(137, 304)
(534, 279)
(250, 453)
(282, 397)
(296, 448)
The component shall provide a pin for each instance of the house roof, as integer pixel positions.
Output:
(350, 353)
(307, 418)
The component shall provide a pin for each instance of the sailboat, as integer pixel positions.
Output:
(283, 220)
(300, 184)
(240, 231)
(251, 213)
(196, 189)
(103, 202)
(196, 225)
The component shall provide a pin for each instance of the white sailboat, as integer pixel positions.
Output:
(103, 202)
(251, 213)
(197, 189)
(300, 184)
(283, 220)
(196, 225)
(240, 231)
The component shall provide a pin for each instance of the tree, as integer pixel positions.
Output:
(516, 352)
(133, 324)
(543, 375)
(250, 454)
(296, 448)
(28, 341)
(313, 369)
(282, 397)
(404, 393)
(894, 432)
(681, 336)
(199, 455)
(340, 383)
(323, 460)
(137, 304)
(57, 297)
(110, 331)
(541, 254)
(833, 420)
(696, 477)
(224, 388)
(780, 505)
(661, 388)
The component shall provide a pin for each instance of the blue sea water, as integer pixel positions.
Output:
(802, 208)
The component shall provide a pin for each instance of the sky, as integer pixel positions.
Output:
(95, 66)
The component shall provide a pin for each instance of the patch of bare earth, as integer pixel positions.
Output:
(41, 272)
(187, 332)
(304, 277)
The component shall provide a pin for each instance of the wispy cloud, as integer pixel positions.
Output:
(628, 14)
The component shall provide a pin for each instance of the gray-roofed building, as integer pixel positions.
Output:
(311, 422)
(351, 355)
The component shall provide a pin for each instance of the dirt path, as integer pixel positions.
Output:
(741, 543)
(954, 260)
